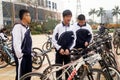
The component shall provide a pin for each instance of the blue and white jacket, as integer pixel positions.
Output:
(22, 41)
(83, 34)
(63, 37)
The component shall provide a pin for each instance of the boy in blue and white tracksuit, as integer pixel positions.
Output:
(22, 45)
(63, 40)
(83, 33)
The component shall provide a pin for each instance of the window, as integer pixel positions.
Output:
(49, 4)
(39, 2)
(46, 2)
(53, 5)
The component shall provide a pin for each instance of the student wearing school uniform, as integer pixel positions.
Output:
(83, 32)
(3, 34)
(22, 44)
(63, 40)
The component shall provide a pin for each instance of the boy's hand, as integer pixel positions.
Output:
(86, 44)
(61, 51)
(67, 52)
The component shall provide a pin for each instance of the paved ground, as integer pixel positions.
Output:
(8, 73)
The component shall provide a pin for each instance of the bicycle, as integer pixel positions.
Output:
(109, 71)
(42, 54)
(66, 67)
(106, 47)
(116, 41)
(48, 44)
(105, 67)
(6, 54)
(107, 44)
(3, 59)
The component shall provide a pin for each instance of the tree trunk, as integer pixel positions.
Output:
(36, 13)
(117, 20)
(101, 18)
(13, 14)
(93, 19)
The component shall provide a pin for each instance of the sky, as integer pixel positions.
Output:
(86, 5)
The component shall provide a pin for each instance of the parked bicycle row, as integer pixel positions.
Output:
(81, 66)
(103, 42)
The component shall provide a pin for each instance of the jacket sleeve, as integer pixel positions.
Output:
(74, 42)
(55, 38)
(90, 35)
(17, 40)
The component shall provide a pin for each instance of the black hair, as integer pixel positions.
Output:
(22, 12)
(81, 17)
(2, 30)
(102, 24)
(66, 13)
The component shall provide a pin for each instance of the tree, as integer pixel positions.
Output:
(101, 12)
(116, 12)
(92, 12)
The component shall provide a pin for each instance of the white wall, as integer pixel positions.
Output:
(1, 15)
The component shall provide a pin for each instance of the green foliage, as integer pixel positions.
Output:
(38, 27)
(50, 25)
(44, 27)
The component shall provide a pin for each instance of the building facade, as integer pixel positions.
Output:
(1, 16)
(40, 10)
(107, 17)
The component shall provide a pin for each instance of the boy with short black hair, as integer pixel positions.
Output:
(63, 39)
(22, 44)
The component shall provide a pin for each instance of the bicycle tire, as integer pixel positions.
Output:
(49, 69)
(47, 46)
(97, 77)
(39, 52)
(116, 72)
(36, 61)
(111, 61)
(118, 50)
(3, 58)
(110, 53)
(33, 74)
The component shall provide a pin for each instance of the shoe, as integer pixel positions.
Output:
(12, 60)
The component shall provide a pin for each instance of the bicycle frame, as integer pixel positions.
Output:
(76, 65)
(6, 50)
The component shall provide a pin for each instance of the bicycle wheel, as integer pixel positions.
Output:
(39, 52)
(47, 46)
(3, 59)
(95, 74)
(51, 71)
(36, 60)
(111, 61)
(33, 76)
(113, 72)
(118, 49)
